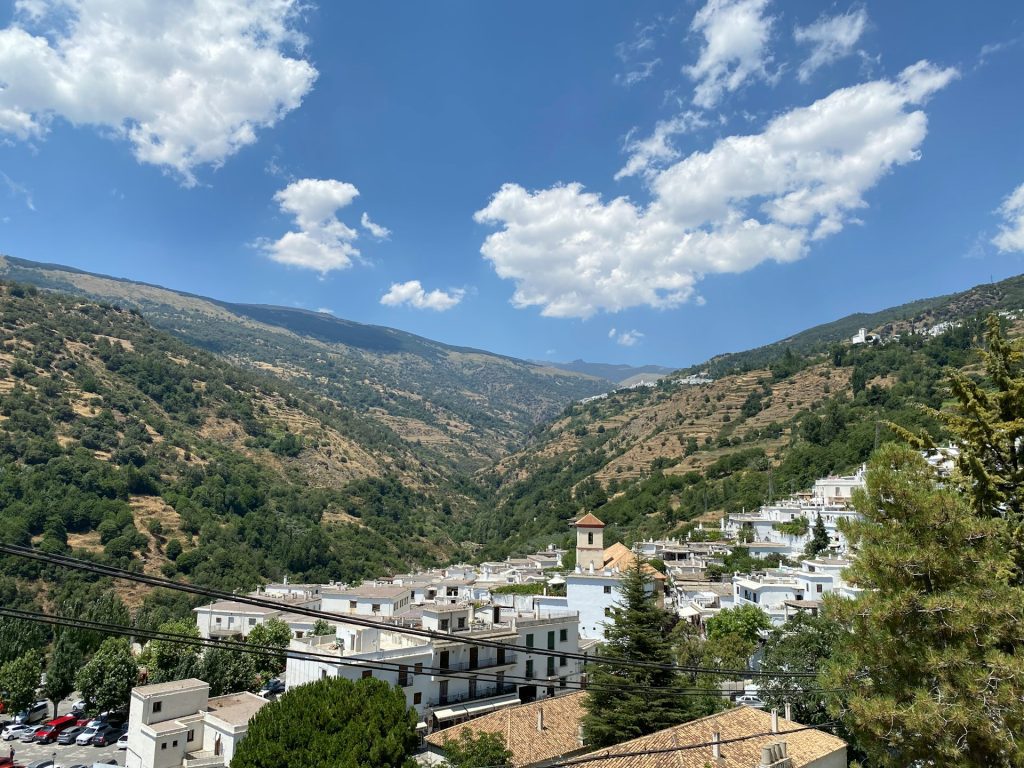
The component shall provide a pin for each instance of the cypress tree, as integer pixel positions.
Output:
(620, 702)
(819, 538)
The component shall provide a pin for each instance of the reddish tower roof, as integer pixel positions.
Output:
(588, 521)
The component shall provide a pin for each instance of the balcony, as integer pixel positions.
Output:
(469, 666)
(482, 692)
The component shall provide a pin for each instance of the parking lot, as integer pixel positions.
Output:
(63, 756)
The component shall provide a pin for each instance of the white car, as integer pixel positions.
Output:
(122, 743)
(85, 737)
(17, 730)
(749, 700)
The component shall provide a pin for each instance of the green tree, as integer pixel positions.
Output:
(228, 671)
(476, 750)
(64, 663)
(744, 621)
(819, 538)
(270, 635)
(332, 723)
(322, 628)
(106, 681)
(18, 637)
(928, 656)
(803, 643)
(19, 679)
(624, 702)
(170, 660)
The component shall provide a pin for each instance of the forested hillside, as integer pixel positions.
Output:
(652, 461)
(121, 442)
(465, 407)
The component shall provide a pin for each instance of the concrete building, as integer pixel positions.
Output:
(423, 666)
(177, 725)
(374, 600)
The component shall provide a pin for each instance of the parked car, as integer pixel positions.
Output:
(105, 736)
(29, 736)
(85, 737)
(49, 731)
(6, 762)
(749, 700)
(16, 731)
(122, 741)
(40, 764)
(33, 714)
(273, 687)
(69, 735)
(78, 707)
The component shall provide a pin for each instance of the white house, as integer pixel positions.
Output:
(375, 600)
(450, 679)
(177, 725)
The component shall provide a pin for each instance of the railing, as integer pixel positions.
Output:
(465, 666)
(481, 693)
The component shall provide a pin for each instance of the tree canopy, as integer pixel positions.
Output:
(106, 681)
(332, 723)
(476, 750)
(928, 653)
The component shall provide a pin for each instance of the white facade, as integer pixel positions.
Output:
(177, 725)
(476, 679)
(368, 600)
(781, 592)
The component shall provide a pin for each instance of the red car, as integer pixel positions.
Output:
(49, 731)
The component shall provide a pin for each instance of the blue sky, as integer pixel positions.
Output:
(623, 182)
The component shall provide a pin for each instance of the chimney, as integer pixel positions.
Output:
(716, 748)
(775, 721)
(789, 711)
(540, 719)
(579, 736)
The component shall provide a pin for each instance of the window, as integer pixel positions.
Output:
(472, 688)
(323, 674)
(418, 669)
(351, 605)
(529, 667)
(252, 622)
(417, 698)
(174, 743)
(163, 745)
(607, 589)
(590, 538)
(563, 635)
(191, 736)
(551, 666)
(562, 661)
(819, 587)
(563, 682)
(444, 625)
(403, 675)
(157, 706)
(367, 673)
(298, 635)
(217, 620)
(462, 622)
(529, 641)
(501, 656)
(551, 640)
(375, 608)
(551, 691)
(442, 692)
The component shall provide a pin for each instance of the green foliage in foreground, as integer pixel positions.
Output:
(929, 653)
(107, 680)
(18, 681)
(332, 723)
(475, 750)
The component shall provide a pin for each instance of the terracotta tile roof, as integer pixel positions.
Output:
(589, 521)
(518, 727)
(619, 556)
(804, 747)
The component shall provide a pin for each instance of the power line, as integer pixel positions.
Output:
(356, 620)
(373, 664)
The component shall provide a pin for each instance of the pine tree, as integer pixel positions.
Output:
(927, 658)
(624, 702)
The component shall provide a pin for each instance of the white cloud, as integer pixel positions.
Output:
(735, 47)
(625, 338)
(746, 200)
(16, 189)
(186, 82)
(658, 148)
(1011, 234)
(412, 294)
(322, 242)
(381, 233)
(832, 38)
